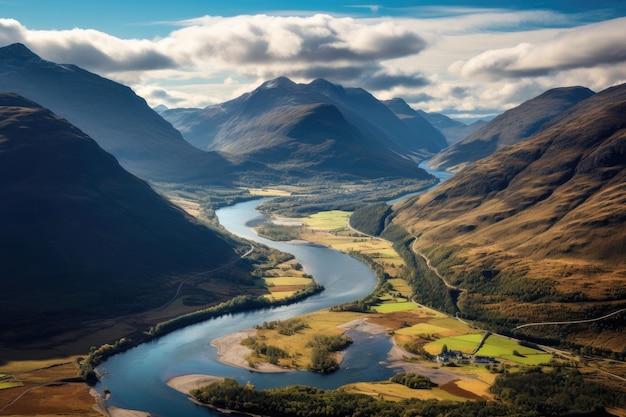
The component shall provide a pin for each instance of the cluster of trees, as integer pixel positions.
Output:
(413, 381)
(284, 327)
(322, 358)
(279, 232)
(371, 219)
(428, 289)
(262, 350)
(534, 393)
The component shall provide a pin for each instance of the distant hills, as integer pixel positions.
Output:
(112, 114)
(316, 127)
(80, 237)
(510, 127)
(453, 130)
(535, 232)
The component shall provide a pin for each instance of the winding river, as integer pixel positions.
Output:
(137, 378)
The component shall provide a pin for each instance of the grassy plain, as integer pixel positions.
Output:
(43, 390)
(408, 322)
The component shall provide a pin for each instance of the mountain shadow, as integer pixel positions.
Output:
(82, 239)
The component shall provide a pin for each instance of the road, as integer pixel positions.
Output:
(549, 323)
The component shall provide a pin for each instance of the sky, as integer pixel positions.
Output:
(466, 59)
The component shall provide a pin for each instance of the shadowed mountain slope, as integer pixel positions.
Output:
(536, 232)
(353, 132)
(80, 237)
(113, 115)
(510, 127)
(434, 140)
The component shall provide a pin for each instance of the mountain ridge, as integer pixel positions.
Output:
(234, 127)
(120, 121)
(538, 224)
(510, 127)
(80, 237)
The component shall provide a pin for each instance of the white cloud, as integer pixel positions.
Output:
(469, 60)
(595, 45)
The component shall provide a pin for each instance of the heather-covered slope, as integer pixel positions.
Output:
(509, 128)
(80, 237)
(320, 127)
(536, 232)
(113, 115)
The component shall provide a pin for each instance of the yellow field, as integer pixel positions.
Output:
(278, 281)
(268, 192)
(321, 322)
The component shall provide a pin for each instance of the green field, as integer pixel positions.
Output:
(328, 220)
(465, 343)
(501, 347)
(393, 307)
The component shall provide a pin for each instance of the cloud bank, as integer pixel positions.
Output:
(478, 62)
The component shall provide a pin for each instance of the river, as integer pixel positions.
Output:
(137, 378)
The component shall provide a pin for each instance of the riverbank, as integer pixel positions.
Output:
(231, 352)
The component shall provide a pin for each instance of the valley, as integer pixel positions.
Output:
(132, 241)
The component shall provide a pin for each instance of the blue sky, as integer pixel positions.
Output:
(467, 59)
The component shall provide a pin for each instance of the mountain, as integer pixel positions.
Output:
(113, 115)
(510, 127)
(435, 140)
(536, 231)
(321, 126)
(80, 237)
(453, 130)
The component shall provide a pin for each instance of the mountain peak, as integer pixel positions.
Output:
(399, 106)
(17, 51)
(324, 86)
(280, 82)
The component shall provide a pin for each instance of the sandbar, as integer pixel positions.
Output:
(231, 352)
(186, 383)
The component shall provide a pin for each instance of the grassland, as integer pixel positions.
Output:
(409, 323)
(43, 389)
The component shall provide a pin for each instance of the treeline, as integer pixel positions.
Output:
(413, 381)
(364, 305)
(370, 219)
(322, 358)
(279, 232)
(234, 305)
(534, 393)
(428, 288)
(284, 327)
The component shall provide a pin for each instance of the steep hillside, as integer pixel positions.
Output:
(434, 139)
(80, 237)
(536, 231)
(261, 123)
(113, 115)
(509, 128)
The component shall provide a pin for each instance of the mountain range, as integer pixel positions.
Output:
(510, 127)
(535, 232)
(318, 126)
(80, 237)
(112, 114)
